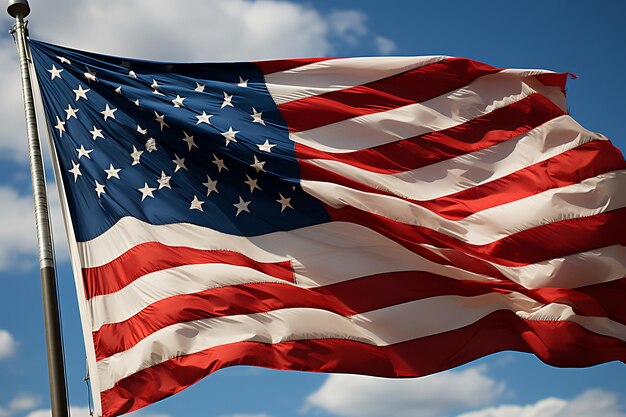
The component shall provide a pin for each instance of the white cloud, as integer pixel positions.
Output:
(12, 138)
(592, 403)
(246, 415)
(21, 402)
(7, 345)
(24, 401)
(349, 25)
(18, 240)
(160, 29)
(430, 396)
(74, 412)
(384, 45)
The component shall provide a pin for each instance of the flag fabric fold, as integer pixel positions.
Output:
(383, 216)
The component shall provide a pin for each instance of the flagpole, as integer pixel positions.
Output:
(19, 9)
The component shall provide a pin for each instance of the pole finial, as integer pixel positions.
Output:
(18, 8)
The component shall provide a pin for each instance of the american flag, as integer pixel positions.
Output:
(385, 216)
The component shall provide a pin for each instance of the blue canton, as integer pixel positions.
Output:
(169, 143)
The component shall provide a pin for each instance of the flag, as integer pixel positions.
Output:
(390, 216)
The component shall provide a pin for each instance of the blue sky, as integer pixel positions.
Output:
(585, 38)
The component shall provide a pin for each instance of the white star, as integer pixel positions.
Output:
(256, 116)
(71, 112)
(108, 112)
(112, 172)
(180, 163)
(242, 82)
(142, 131)
(64, 60)
(60, 126)
(220, 163)
(252, 184)
(210, 186)
(83, 152)
(229, 135)
(164, 181)
(196, 204)
(178, 101)
(146, 191)
(99, 189)
(151, 145)
(155, 86)
(161, 119)
(54, 72)
(204, 118)
(75, 170)
(96, 133)
(227, 100)
(199, 87)
(136, 155)
(189, 140)
(284, 202)
(136, 102)
(258, 165)
(132, 74)
(242, 206)
(90, 75)
(118, 90)
(80, 93)
(267, 146)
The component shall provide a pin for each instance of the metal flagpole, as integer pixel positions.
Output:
(19, 9)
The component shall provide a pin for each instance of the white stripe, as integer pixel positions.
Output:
(469, 170)
(333, 252)
(337, 74)
(590, 197)
(554, 94)
(379, 328)
(560, 312)
(482, 96)
(130, 300)
(572, 271)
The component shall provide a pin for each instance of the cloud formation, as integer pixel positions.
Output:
(431, 396)
(74, 412)
(246, 415)
(592, 403)
(385, 45)
(21, 402)
(19, 237)
(77, 411)
(8, 345)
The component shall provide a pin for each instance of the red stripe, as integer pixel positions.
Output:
(555, 79)
(482, 132)
(563, 344)
(344, 298)
(268, 67)
(154, 256)
(413, 86)
(570, 167)
(612, 299)
(537, 244)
